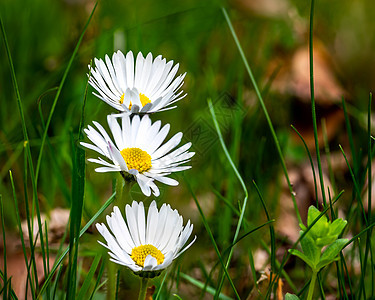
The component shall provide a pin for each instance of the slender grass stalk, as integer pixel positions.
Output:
(48, 291)
(272, 231)
(207, 227)
(320, 285)
(161, 286)
(86, 283)
(98, 279)
(30, 228)
(313, 110)
(362, 286)
(27, 148)
(24, 250)
(58, 92)
(356, 186)
(200, 285)
(5, 273)
(369, 202)
(260, 98)
(117, 284)
(328, 155)
(311, 163)
(350, 136)
(78, 196)
(143, 289)
(212, 111)
(83, 230)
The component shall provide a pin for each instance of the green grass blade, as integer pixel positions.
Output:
(200, 285)
(311, 163)
(207, 227)
(356, 187)
(5, 274)
(239, 223)
(30, 228)
(78, 195)
(272, 231)
(26, 143)
(83, 230)
(58, 92)
(313, 110)
(161, 286)
(350, 135)
(18, 218)
(328, 155)
(98, 285)
(86, 283)
(59, 273)
(274, 136)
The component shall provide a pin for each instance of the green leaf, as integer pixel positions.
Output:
(310, 249)
(291, 297)
(337, 227)
(323, 241)
(331, 252)
(321, 227)
(303, 257)
(325, 262)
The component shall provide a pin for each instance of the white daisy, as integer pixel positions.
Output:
(145, 246)
(146, 86)
(138, 152)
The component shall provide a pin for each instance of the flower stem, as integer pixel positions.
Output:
(143, 289)
(312, 285)
(111, 281)
(123, 188)
(123, 197)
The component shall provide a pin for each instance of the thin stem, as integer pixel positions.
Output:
(313, 111)
(265, 111)
(143, 289)
(123, 197)
(312, 285)
(111, 286)
(123, 189)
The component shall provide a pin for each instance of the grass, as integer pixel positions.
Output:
(249, 167)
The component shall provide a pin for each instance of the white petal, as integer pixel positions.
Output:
(150, 263)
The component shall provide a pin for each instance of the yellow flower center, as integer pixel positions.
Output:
(140, 253)
(144, 100)
(136, 158)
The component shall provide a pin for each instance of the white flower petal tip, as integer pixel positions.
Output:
(142, 86)
(160, 235)
(138, 149)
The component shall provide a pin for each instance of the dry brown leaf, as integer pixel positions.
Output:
(150, 292)
(16, 269)
(267, 8)
(294, 76)
(303, 184)
(56, 224)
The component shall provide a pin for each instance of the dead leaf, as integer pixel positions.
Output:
(294, 76)
(150, 292)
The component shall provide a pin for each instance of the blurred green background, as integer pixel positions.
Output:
(42, 35)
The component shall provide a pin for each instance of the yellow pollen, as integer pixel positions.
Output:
(122, 99)
(144, 100)
(140, 253)
(136, 158)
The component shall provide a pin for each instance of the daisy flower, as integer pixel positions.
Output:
(143, 86)
(138, 151)
(145, 246)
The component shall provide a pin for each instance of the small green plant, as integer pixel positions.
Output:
(319, 233)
